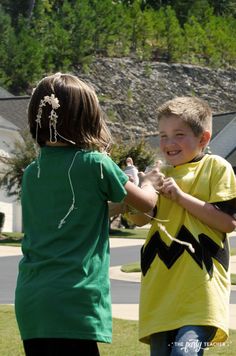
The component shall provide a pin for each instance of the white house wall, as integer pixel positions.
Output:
(8, 205)
(12, 211)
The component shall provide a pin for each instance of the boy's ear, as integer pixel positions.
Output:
(205, 138)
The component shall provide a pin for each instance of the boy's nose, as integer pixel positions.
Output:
(170, 141)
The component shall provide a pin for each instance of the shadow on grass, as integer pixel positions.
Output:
(11, 238)
(122, 232)
(136, 233)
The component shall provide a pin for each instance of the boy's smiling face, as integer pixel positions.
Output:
(178, 143)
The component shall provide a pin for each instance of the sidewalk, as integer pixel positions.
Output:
(128, 311)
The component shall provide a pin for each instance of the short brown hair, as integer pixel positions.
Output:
(194, 111)
(80, 118)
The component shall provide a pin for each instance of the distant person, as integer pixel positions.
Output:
(131, 170)
(62, 301)
(185, 287)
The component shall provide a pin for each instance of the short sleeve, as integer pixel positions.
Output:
(223, 181)
(113, 180)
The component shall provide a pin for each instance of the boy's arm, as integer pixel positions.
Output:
(205, 212)
(208, 214)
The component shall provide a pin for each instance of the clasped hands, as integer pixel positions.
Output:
(163, 185)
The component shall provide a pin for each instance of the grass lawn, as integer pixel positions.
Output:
(136, 233)
(15, 238)
(11, 238)
(125, 333)
(125, 339)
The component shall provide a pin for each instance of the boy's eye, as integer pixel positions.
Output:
(179, 134)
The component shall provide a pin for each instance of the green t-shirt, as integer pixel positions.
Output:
(180, 288)
(63, 288)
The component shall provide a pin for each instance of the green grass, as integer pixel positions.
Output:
(233, 251)
(233, 278)
(10, 343)
(131, 267)
(125, 339)
(15, 238)
(129, 233)
(11, 238)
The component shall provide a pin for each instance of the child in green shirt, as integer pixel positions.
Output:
(62, 300)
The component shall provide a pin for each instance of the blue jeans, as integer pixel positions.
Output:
(189, 340)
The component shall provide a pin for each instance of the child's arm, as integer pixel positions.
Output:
(143, 198)
(138, 218)
(205, 212)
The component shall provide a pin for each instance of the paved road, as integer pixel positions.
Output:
(122, 292)
(8, 275)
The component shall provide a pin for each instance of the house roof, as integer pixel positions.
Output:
(6, 124)
(14, 109)
(220, 121)
(5, 94)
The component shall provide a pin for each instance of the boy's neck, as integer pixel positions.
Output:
(197, 158)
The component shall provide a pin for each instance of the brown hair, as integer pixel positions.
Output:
(194, 111)
(79, 116)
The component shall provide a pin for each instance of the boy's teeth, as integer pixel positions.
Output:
(173, 152)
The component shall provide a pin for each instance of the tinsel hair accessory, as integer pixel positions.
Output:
(53, 133)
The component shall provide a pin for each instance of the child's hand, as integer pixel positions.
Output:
(154, 178)
(170, 189)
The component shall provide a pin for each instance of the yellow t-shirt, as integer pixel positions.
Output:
(179, 287)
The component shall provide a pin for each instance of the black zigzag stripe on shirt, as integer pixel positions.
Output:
(205, 250)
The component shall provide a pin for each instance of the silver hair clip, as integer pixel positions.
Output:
(54, 102)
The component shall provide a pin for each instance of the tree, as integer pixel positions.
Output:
(142, 32)
(140, 151)
(24, 65)
(18, 8)
(23, 153)
(195, 42)
(7, 36)
(223, 7)
(82, 32)
(49, 26)
(221, 47)
(169, 34)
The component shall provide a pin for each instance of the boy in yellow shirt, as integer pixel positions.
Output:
(185, 287)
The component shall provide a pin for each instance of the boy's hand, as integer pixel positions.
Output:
(171, 190)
